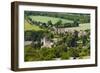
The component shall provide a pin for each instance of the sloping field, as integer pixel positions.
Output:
(84, 26)
(28, 26)
(45, 19)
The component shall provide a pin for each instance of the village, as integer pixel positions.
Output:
(56, 41)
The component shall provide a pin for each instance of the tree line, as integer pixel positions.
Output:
(58, 24)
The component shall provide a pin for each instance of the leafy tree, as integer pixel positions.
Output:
(50, 23)
(28, 35)
(84, 39)
(76, 23)
(57, 24)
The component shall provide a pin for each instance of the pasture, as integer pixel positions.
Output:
(84, 26)
(28, 26)
(45, 19)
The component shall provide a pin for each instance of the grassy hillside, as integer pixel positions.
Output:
(83, 18)
(28, 26)
(45, 19)
(84, 26)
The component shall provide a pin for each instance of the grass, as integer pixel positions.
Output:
(28, 26)
(45, 19)
(84, 26)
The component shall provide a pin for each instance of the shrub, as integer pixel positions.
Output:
(84, 52)
(74, 52)
(65, 55)
(47, 53)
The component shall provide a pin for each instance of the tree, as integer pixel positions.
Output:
(58, 24)
(74, 39)
(28, 35)
(76, 22)
(50, 23)
(36, 39)
(67, 39)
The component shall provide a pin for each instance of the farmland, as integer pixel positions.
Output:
(84, 26)
(47, 18)
(28, 26)
(52, 36)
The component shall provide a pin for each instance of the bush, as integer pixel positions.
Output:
(32, 55)
(74, 52)
(84, 52)
(47, 53)
(65, 55)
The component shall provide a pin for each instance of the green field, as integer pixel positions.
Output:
(45, 19)
(28, 26)
(84, 26)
